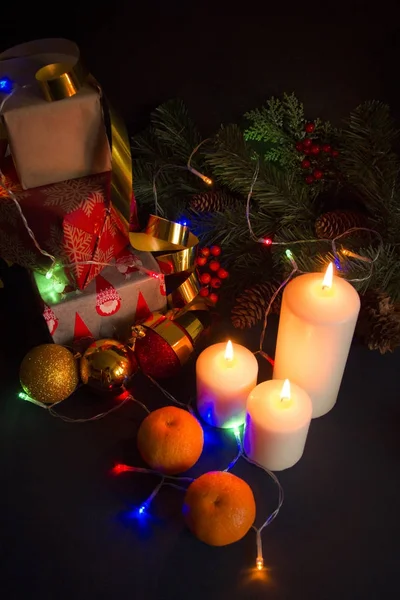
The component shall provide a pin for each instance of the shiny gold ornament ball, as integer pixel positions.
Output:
(107, 365)
(49, 373)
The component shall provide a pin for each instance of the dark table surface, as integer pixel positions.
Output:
(68, 528)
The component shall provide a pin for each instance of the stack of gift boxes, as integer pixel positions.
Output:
(55, 201)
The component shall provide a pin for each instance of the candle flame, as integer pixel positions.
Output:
(328, 277)
(285, 393)
(229, 351)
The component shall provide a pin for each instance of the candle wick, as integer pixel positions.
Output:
(284, 398)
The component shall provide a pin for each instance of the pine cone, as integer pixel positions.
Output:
(378, 325)
(331, 224)
(212, 201)
(251, 304)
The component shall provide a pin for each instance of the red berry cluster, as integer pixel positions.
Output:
(213, 280)
(316, 155)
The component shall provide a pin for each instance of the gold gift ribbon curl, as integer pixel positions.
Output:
(64, 79)
(175, 247)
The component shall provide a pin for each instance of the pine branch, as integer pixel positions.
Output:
(229, 228)
(386, 271)
(176, 131)
(162, 152)
(233, 163)
(367, 160)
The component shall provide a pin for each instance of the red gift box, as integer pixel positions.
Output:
(72, 220)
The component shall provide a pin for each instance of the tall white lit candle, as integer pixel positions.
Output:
(277, 422)
(316, 326)
(225, 374)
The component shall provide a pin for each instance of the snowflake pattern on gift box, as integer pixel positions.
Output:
(111, 226)
(77, 245)
(74, 193)
(11, 185)
(104, 256)
(11, 246)
(91, 201)
(54, 241)
(9, 212)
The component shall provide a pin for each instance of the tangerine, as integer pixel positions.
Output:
(170, 440)
(219, 508)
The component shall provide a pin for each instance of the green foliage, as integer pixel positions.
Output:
(278, 125)
(282, 206)
(160, 156)
(234, 162)
(368, 161)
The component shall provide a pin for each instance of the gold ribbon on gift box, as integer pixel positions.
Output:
(175, 248)
(63, 79)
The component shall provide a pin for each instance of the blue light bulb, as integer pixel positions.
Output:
(5, 85)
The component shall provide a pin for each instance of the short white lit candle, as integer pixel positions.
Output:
(225, 374)
(277, 422)
(316, 326)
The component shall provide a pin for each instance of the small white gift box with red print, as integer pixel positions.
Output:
(123, 294)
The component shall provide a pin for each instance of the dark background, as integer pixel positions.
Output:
(66, 529)
(223, 58)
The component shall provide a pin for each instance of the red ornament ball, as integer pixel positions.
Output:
(201, 261)
(213, 297)
(204, 292)
(299, 146)
(215, 250)
(326, 148)
(315, 149)
(305, 163)
(335, 153)
(307, 143)
(205, 278)
(223, 274)
(309, 127)
(309, 179)
(214, 266)
(215, 283)
(318, 174)
(307, 151)
(156, 357)
(205, 251)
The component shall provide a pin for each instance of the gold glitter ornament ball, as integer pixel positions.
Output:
(49, 373)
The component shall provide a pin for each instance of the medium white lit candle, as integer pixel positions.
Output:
(316, 326)
(277, 422)
(225, 374)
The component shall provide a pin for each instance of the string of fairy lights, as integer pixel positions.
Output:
(164, 480)
(174, 481)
